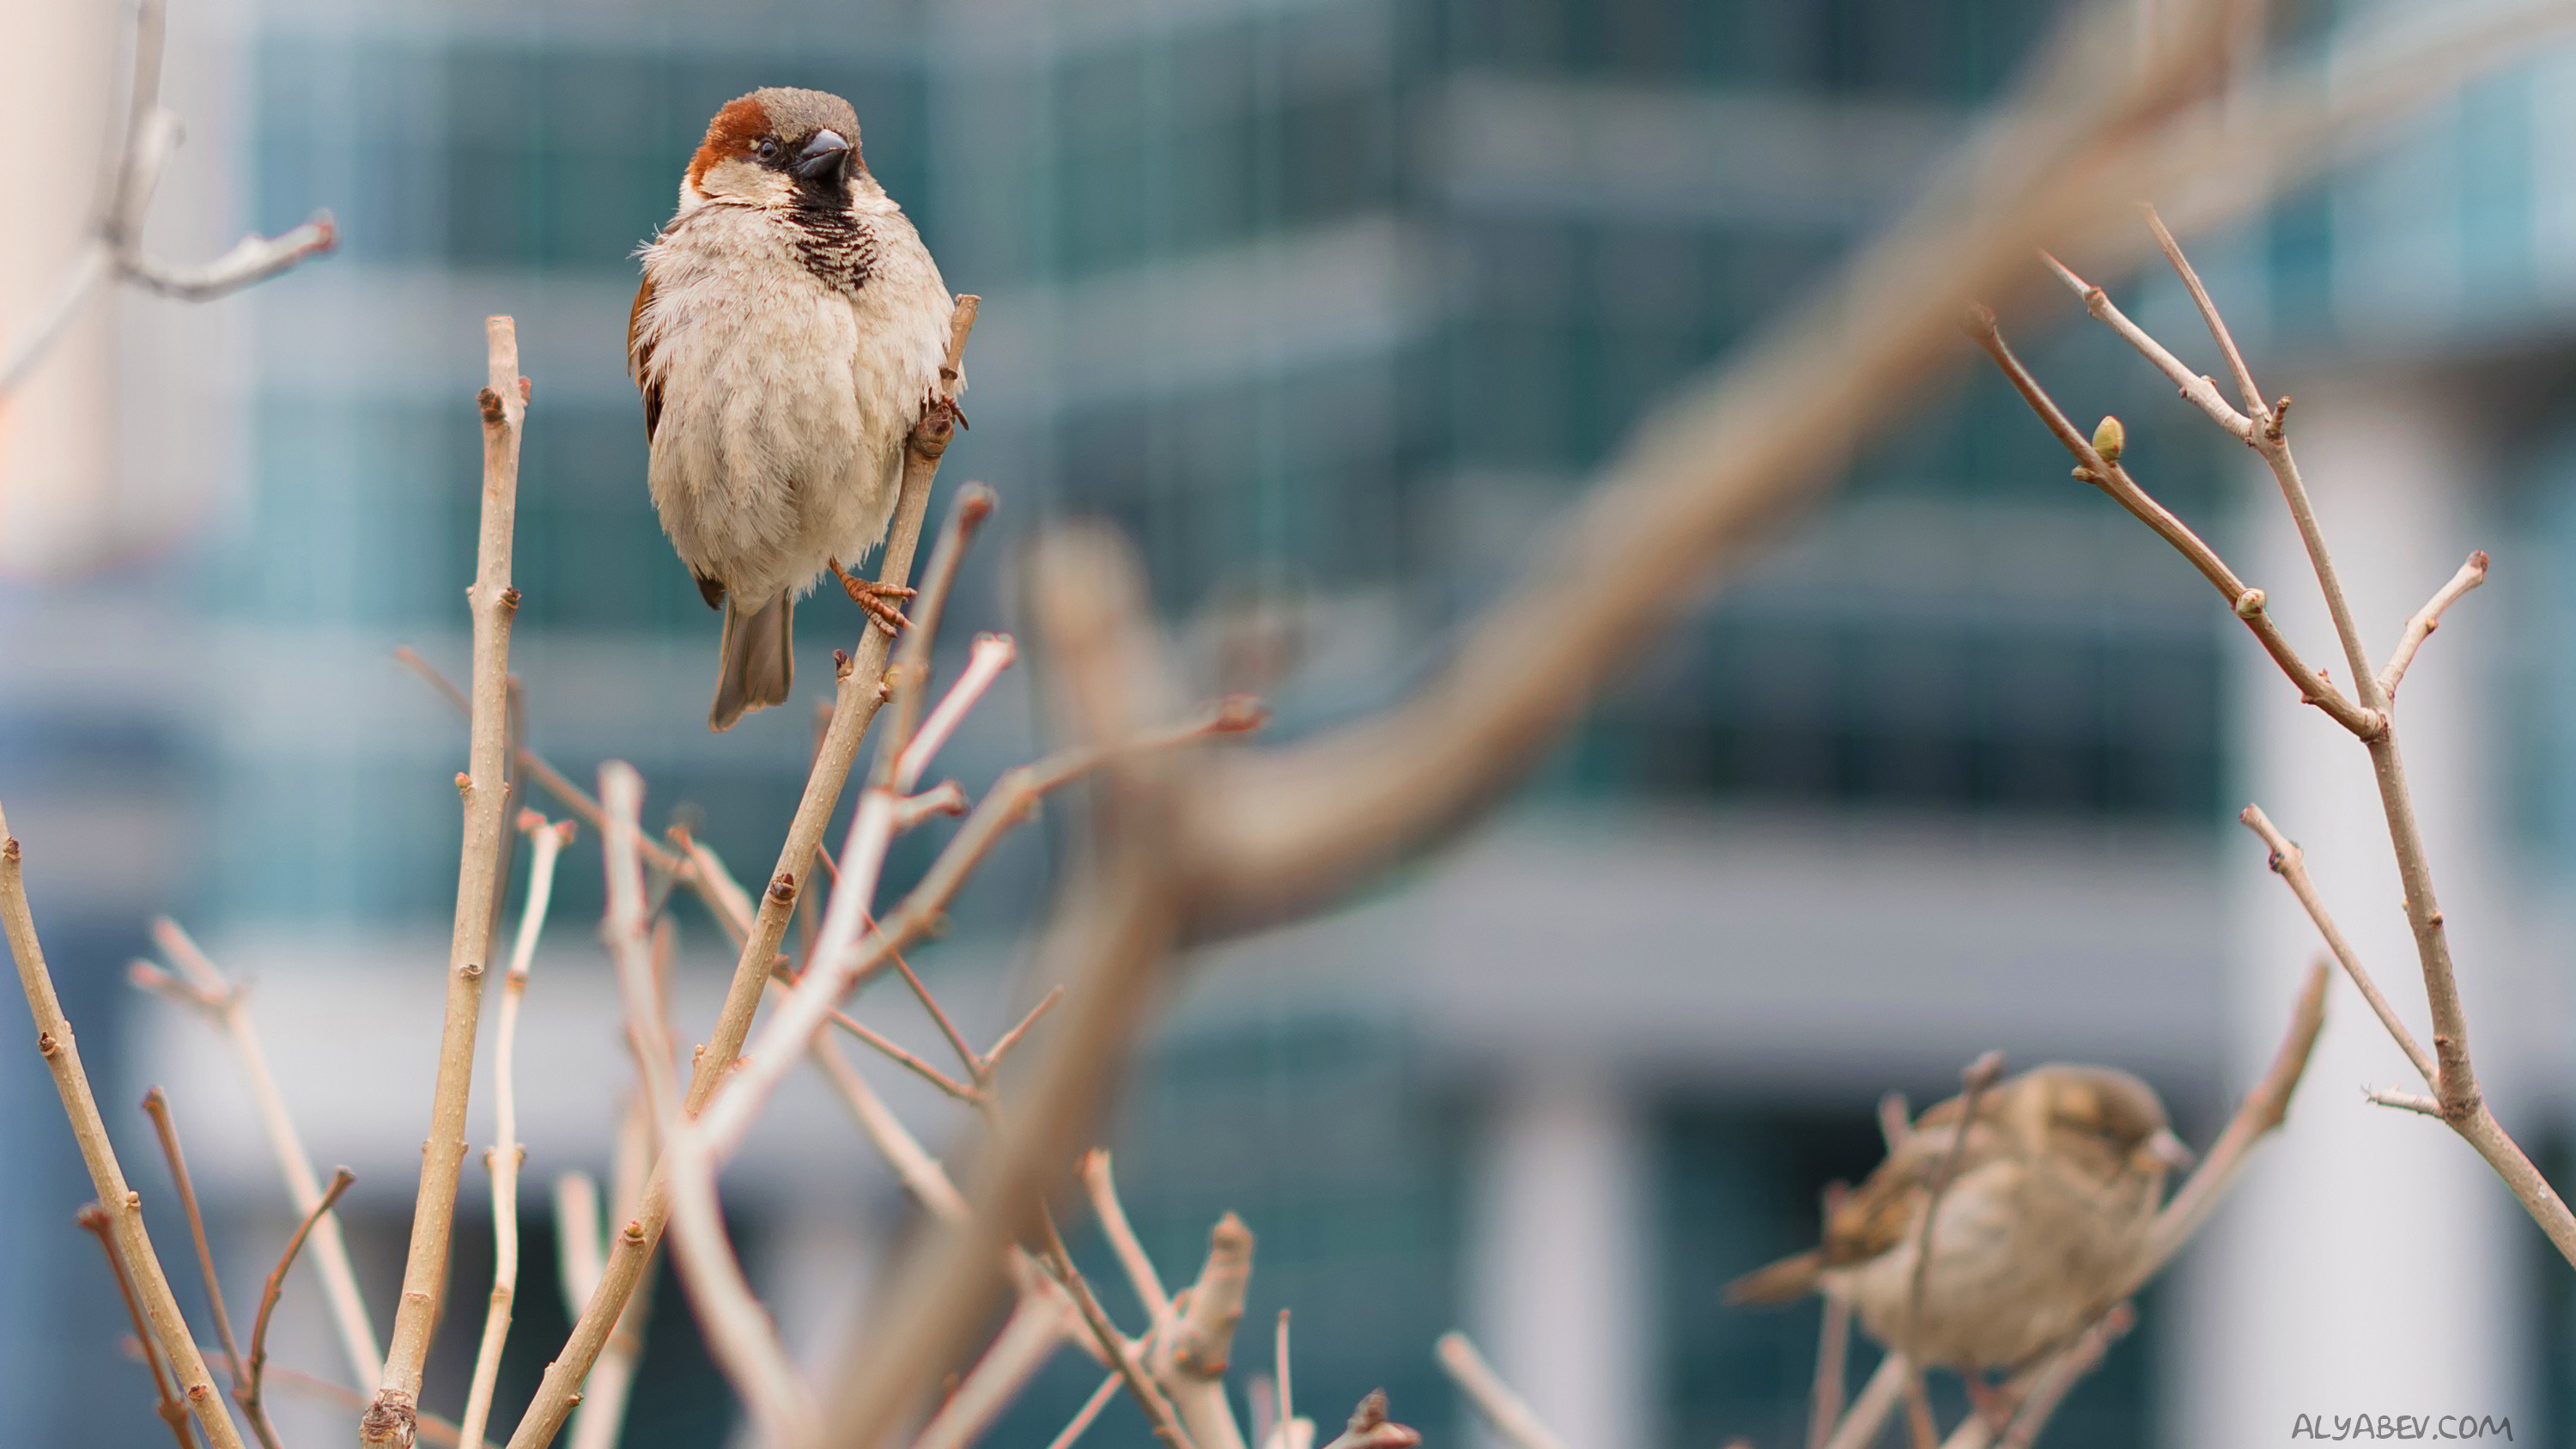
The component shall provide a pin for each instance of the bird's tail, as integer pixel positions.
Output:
(757, 660)
(1786, 1281)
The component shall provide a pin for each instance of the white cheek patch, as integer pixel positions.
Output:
(746, 180)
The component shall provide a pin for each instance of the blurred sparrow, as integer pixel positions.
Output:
(789, 333)
(2048, 1208)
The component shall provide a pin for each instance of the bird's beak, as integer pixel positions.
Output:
(2170, 1150)
(822, 156)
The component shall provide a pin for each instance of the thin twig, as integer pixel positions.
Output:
(1036, 1329)
(341, 1177)
(1833, 1336)
(1871, 1407)
(547, 840)
(577, 1249)
(1098, 1181)
(1286, 1380)
(1895, 1121)
(202, 988)
(2196, 389)
(1507, 1413)
(855, 703)
(492, 603)
(2290, 863)
(124, 1207)
(156, 1105)
(1017, 1034)
(739, 1334)
(2428, 619)
(914, 1167)
(166, 1404)
(888, 1049)
(956, 1039)
(600, 1417)
(1140, 1385)
(1083, 1416)
(2249, 603)
(2405, 1101)
(2256, 408)
(1980, 1074)
(568, 794)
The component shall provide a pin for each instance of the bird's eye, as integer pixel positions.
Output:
(768, 148)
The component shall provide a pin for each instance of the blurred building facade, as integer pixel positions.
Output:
(1332, 306)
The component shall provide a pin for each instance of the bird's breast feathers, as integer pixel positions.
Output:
(782, 367)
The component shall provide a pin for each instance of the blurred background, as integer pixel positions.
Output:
(1331, 306)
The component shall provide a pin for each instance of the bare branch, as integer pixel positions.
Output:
(1036, 1329)
(1083, 1416)
(601, 1415)
(1494, 1400)
(156, 1105)
(2428, 619)
(1105, 1206)
(2406, 1102)
(123, 1206)
(201, 988)
(2249, 603)
(341, 1177)
(1871, 1407)
(1141, 1385)
(854, 704)
(166, 1404)
(548, 841)
(1281, 832)
(1190, 1361)
(1119, 918)
(2036, 1392)
(2255, 408)
(1980, 1074)
(252, 260)
(914, 1167)
(2200, 391)
(2290, 863)
(493, 602)
(1017, 1034)
(114, 248)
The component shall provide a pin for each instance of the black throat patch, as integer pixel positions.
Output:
(835, 246)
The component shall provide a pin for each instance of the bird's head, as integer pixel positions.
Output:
(2109, 1118)
(779, 147)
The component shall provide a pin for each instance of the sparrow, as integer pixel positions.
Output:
(790, 330)
(2047, 1209)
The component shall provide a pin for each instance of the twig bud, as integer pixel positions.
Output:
(2109, 438)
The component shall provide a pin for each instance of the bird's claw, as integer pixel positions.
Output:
(871, 597)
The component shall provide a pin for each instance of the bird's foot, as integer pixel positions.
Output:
(872, 597)
(1996, 1406)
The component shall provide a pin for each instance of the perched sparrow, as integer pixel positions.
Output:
(789, 333)
(2062, 1172)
